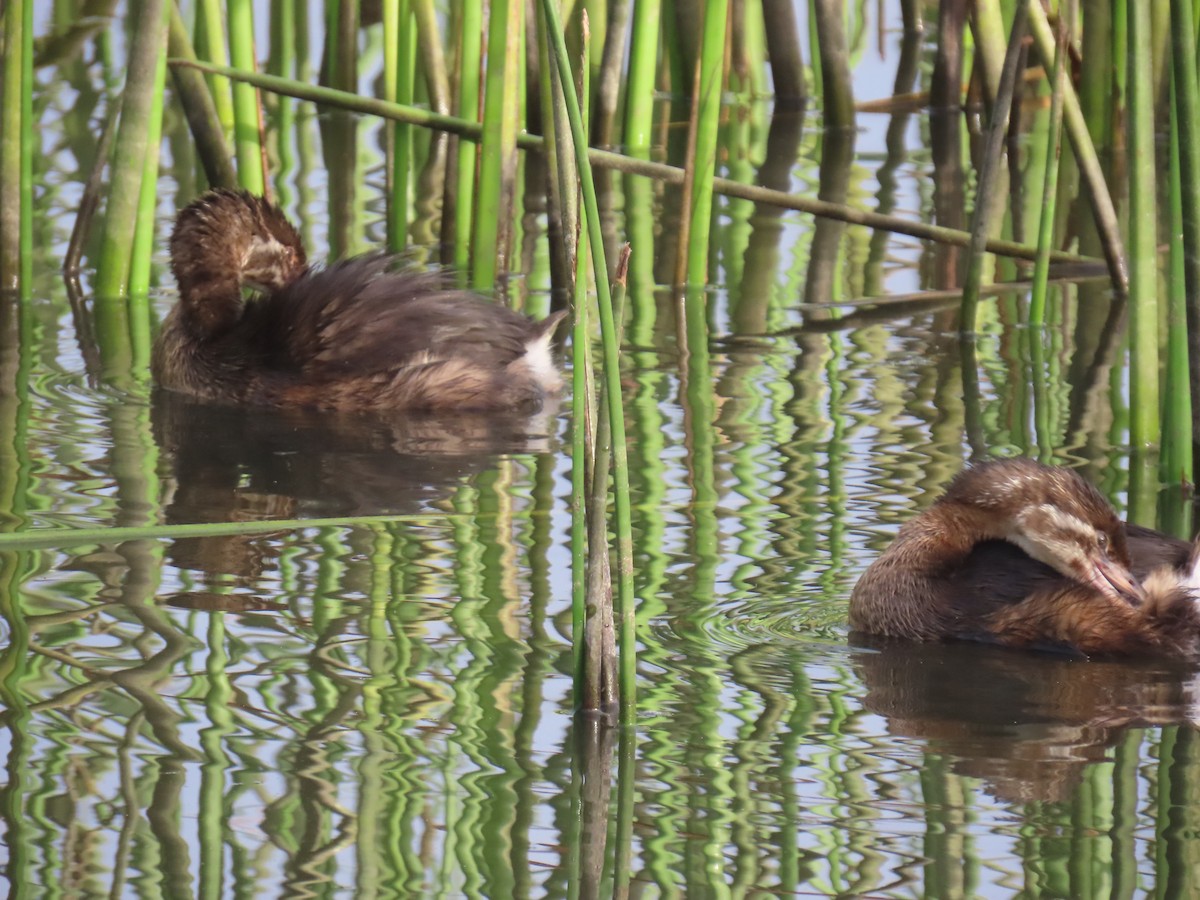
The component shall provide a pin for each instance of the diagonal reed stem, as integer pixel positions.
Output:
(608, 160)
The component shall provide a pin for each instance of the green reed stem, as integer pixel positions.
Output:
(144, 234)
(1186, 95)
(595, 660)
(589, 664)
(469, 68)
(987, 25)
(643, 69)
(1143, 236)
(581, 392)
(1177, 411)
(28, 129)
(1041, 268)
(68, 537)
(432, 54)
(497, 150)
(210, 45)
(1096, 100)
(609, 160)
(612, 375)
(706, 120)
(129, 154)
(246, 131)
(1085, 154)
(16, 150)
(989, 171)
(398, 34)
(203, 118)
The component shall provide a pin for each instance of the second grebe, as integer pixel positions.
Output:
(360, 334)
(1023, 554)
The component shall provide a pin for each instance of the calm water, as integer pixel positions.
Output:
(384, 709)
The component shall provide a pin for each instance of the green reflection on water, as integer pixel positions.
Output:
(382, 707)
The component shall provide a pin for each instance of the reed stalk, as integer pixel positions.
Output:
(1041, 268)
(836, 90)
(498, 148)
(28, 141)
(612, 376)
(398, 41)
(246, 130)
(561, 178)
(469, 69)
(1096, 100)
(45, 538)
(990, 169)
(433, 56)
(1143, 237)
(210, 46)
(202, 114)
(1177, 410)
(89, 200)
(591, 590)
(639, 85)
(987, 24)
(144, 234)
(630, 165)
(783, 49)
(581, 417)
(340, 66)
(608, 89)
(129, 154)
(1186, 106)
(1085, 155)
(16, 150)
(592, 621)
(702, 143)
(601, 663)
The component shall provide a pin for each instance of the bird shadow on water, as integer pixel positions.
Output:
(1026, 724)
(230, 464)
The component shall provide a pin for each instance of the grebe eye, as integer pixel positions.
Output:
(1102, 540)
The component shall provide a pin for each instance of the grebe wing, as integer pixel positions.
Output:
(363, 315)
(1150, 550)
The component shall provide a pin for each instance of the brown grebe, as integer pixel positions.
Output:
(358, 334)
(1026, 555)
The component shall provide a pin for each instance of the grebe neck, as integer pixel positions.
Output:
(227, 241)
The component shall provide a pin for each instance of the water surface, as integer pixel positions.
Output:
(384, 708)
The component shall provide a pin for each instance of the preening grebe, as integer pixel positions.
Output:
(1023, 554)
(360, 334)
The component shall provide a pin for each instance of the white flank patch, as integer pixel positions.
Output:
(1190, 580)
(541, 363)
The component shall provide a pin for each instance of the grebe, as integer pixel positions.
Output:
(1026, 555)
(359, 334)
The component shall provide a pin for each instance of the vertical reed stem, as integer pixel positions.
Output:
(398, 33)
(245, 98)
(612, 376)
(129, 155)
(1143, 237)
(1187, 116)
(1041, 269)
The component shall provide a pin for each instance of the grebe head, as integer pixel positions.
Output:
(1056, 517)
(226, 240)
